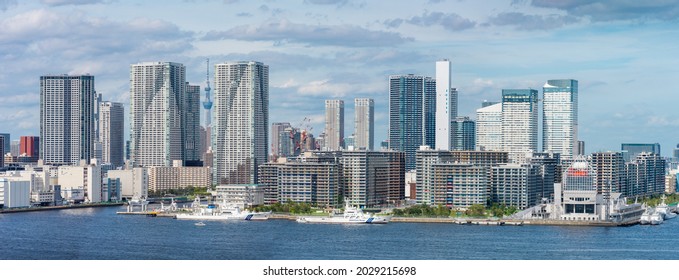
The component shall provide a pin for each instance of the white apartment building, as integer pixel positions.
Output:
(519, 123)
(489, 128)
(156, 100)
(364, 123)
(334, 124)
(240, 121)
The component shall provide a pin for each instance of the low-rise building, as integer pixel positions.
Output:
(14, 193)
(163, 178)
(86, 177)
(132, 182)
(241, 196)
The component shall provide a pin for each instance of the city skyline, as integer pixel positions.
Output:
(615, 51)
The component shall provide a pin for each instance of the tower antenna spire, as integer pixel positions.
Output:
(207, 104)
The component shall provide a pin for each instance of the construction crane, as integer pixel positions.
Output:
(305, 130)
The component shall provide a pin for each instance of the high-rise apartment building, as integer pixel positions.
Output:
(560, 118)
(111, 133)
(517, 185)
(2, 150)
(645, 175)
(372, 179)
(364, 123)
(412, 115)
(240, 121)
(30, 146)
(6, 146)
(459, 185)
(276, 129)
(446, 105)
(157, 97)
(191, 123)
(519, 123)
(334, 124)
(610, 171)
(463, 134)
(489, 128)
(427, 158)
(67, 106)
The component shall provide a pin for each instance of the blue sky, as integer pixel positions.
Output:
(624, 53)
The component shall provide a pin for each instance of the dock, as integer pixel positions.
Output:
(149, 214)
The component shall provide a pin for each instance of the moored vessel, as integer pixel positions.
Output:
(646, 217)
(664, 209)
(221, 212)
(656, 218)
(351, 215)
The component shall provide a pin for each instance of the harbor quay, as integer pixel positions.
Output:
(59, 207)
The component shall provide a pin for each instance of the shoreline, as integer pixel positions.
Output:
(61, 207)
(291, 217)
(481, 221)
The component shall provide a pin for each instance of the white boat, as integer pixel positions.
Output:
(352, 215)
(664, 210)
(221, 212)
(657, 218)
(200, 224)
(646, 217)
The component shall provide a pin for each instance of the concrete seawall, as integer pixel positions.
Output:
(482, 221)
(47, 208)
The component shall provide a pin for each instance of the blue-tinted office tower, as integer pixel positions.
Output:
(463, 131)
(560, 117)
(631, 150)
(412, 116)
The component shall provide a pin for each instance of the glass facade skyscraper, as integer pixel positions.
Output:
(519, 123)
(560, 117)
(463, 134)
(631, 150)
(412, 116)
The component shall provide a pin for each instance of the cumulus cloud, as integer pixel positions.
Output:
(662, 121)
(46, 32)
(450, 21)
(71, 2)
(602, 10)
(326, 2)
(531, 22)
(285, 31)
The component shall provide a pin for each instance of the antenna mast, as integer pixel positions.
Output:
(207, 104)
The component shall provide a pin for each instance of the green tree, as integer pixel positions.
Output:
(476, 210)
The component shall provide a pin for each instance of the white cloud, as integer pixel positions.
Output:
(285, 31)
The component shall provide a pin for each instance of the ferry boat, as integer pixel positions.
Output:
(221, 212)
(352, 215)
